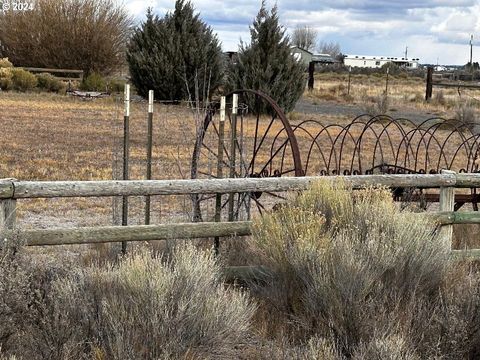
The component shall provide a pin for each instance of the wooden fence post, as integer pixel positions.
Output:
(311, 72)
(8, 208)
(349, 79)
(386, 82)
(429, 90)
(8, 213)
(447, 203)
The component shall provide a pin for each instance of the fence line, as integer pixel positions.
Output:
(11, 190)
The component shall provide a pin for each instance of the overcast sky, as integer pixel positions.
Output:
(432, 29)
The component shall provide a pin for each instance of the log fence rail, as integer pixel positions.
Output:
(12, 190)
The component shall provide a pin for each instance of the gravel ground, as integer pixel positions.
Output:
(353, 110)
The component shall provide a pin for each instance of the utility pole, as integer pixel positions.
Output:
(471, 51)
(406, 52)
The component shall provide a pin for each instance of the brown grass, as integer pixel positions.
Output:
(54, 137)
(403, 92)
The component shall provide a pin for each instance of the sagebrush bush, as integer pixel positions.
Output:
(6, 82)
(23, 80)
(5, 63)
(116, 86)
(49, 82)
(377, 105)
(144, 307)
(349, 264)
(15, 295)
(94, 82)
(179, 308)
(466, 112)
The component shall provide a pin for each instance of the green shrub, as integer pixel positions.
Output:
(94, 82)
(350, 264)
(23, 80)
(116, 86)
(50, 83)
(4, 63)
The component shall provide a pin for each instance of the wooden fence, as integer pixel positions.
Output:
(12, 190)
(77, 75)
(431, 82)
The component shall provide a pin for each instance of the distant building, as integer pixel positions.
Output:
(231, 56)
(305, 57)
(379, 61)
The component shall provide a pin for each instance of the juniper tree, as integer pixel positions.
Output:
(266, 64)
(177, 56)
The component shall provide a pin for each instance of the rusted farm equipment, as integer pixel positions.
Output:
(259, 141)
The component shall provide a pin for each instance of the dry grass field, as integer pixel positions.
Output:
(403, 92)
(56, 137)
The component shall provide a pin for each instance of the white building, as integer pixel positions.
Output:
(379, 61)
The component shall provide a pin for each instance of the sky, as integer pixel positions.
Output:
(435, 31)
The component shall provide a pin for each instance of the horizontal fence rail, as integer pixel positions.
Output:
(106, 234)
(12, 190)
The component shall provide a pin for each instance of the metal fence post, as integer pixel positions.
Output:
(218, 199)
(126, 154)
(149, 152)
(233, 145)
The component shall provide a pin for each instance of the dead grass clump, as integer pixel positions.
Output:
(386, 347)
(376, 105)
(15, 295)
(439, 98)
(352, 266)
(466, 112)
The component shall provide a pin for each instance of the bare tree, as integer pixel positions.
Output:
(304, 37)
(89, 35)
(330, 48)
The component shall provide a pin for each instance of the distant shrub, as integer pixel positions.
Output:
(439, 98)
(6, 81)
(466, 113)
(4, 63)
(94, 82)
(375, 105)
(50, 83)
(23, 80)
(116, 86)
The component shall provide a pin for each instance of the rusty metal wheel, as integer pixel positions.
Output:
(258, 141)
